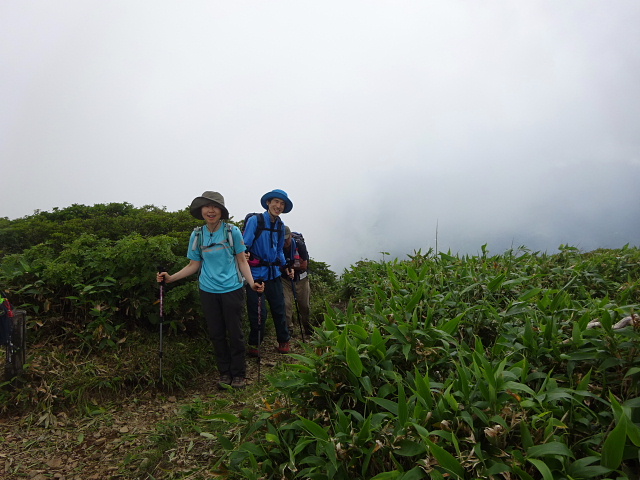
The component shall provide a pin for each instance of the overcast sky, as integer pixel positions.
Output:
(390, 123)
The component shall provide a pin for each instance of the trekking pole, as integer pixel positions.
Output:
(259, 281)
(295, 300)
(162, 285)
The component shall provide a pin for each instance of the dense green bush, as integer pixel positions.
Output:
(110, 221)
(462, 367)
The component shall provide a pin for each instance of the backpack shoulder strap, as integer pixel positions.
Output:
(233, 252)
(230, 237)
(260, 228)
(197, 240)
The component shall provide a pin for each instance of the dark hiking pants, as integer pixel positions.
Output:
(273, 294)
(223, 313)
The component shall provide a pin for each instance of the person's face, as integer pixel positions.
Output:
(211, 214)
(276, 206)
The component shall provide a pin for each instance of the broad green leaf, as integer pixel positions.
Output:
(521, 474)
(353, 360)
(576, 334)
(517, 308)
(403, 413)
(386, 404)
(632, 402)
(618, 410)
(330, 451)
(584, 383)
(450, 326)
(313, 428)
(551, 448)
(301, 445)
(613, 447)
(359, 331)
(527, 336)
(496, 282)
(392, 278)
(409, 448)
(584, 468)
(270, 437)
(342, 342)
(414, 474)
(529, 294)
(633, 433)
(606, 321)
(226, 443)
(252, 448)
(525, 435)
(365, 431)
(226, 417)
(392, 475)
(495, 469)
(411, 273)
(423, 389)
(417, 296)
(518, 387)
(632, 371)
(302, 359)
(542, 468)
(366, 384)
(406, 350)
(445, 459)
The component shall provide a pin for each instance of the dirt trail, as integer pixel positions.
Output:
(100, 446)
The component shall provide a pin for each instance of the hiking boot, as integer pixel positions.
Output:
(253, 351)
(239, 382)
(283, 347)
(224, 381)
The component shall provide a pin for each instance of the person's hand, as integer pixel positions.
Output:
(258, 287)
(291, 272)
(163, 277)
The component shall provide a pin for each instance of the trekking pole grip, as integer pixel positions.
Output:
(160, 270)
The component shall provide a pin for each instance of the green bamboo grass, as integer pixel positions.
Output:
(464, 367)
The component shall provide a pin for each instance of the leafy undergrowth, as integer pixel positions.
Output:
(509, 367)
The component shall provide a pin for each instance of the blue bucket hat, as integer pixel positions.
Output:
(277, 193)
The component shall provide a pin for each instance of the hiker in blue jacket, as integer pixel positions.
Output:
(216, 252)
(264, 238)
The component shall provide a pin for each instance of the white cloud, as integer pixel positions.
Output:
(497, 121)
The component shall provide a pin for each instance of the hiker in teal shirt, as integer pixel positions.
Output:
(264, 237)
(216, 251)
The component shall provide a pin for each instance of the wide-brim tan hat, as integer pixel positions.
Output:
(205, 199)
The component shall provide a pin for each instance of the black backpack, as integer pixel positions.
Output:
(261, 226)
(254, 260)
(297, 236)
